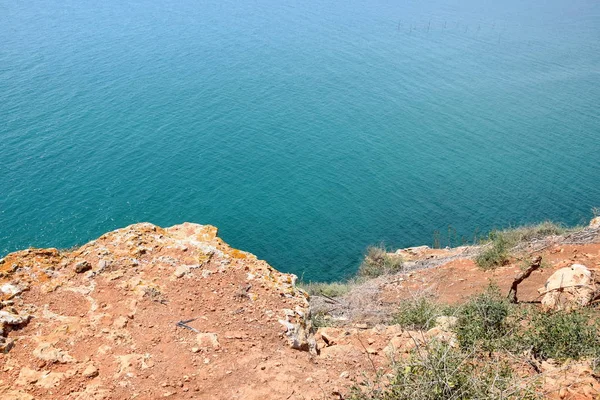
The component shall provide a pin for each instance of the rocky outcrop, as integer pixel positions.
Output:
(174, 307)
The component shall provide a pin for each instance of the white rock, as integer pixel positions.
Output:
(10, 289)
(568, 288)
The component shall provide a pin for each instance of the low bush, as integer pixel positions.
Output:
(420, 313)
(333, 289)
(486, 321)
(496, 254)
(439, 372)
(500, 242)
(562, 335)
(379, 262)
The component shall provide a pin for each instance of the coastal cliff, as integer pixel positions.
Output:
(148, 312)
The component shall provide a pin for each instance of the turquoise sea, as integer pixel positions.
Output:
(304, 130)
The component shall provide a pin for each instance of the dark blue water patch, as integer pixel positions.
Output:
(305, 132)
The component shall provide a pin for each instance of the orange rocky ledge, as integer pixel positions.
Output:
(146, 312)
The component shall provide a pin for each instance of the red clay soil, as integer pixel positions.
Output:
(457, 280)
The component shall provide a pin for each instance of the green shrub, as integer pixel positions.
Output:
(319, 320)
(501, 242)
(333, 289)
(484, 321)
(496, 254)
(530, 232)
(379, 262)
(420, 313)
(562, 335)
(440, 372)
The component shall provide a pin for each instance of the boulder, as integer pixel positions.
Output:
(568, 288)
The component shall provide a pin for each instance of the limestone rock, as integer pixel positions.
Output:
(47, 352)
(82, 266)
(7, 320)
(6, 344)
(49, 380)
(208, 340)
(568, 288)
(10, 290)
(329, 335)
(298, 330)
(27, 376)
(181, 270)
(443, 336)
(90, 371)
(595, 223)
(120, 322)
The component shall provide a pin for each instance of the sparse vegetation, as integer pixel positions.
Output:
(493, 334)
(320, 320)
(483, 321)
(379, 262)
(438, 371)
(496, 254)
(501, 242)
(332, 289)
(489, 322)
(420, 313)
(562, 335)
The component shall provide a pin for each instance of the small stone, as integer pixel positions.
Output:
(120, 322)
(181, 270)
(27, 376)
(206, 340)
(6, 344)
(446, 323)
(47, 352)
(345, 375)
(90, 371)
(82, 266)
(195, 349)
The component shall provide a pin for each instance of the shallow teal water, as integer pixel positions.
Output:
(304, 130)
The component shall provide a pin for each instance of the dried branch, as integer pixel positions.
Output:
(512, 294)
